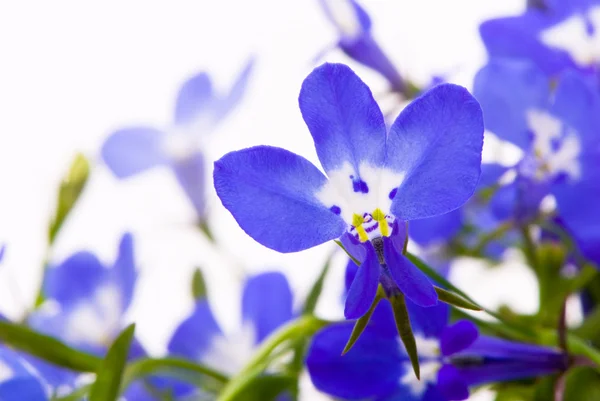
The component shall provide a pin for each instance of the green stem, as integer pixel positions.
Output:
(303, 326)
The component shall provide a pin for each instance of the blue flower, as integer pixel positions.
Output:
(427, 165)
(18, 380)
(266, 305)
(85, 307)
(356, 41)
(452, 358)
(556, 37)
(557, 131)
(198, 110)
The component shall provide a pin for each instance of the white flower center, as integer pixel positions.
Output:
(229, 354)
(556, 148)
(184, 141)
(577, 35)
(429, 361)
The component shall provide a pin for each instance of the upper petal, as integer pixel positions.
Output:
(194, 97)
(436, 229)
(506, 91)
(267, 303)
(372, 367)
(225, 104)
(129, 151)
(436, 143)
(271, 194)
(343, 118)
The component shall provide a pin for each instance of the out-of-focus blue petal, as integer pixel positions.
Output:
(365, 50)
(430, 321)
(364, 286)
(490, 174)
(504, 202)
(267, 303)
(413, 283)
(191, 176)
(451, 384)
(224, 105)
(75, 279)
(436, 142)
(436, 229)
(504, 370)
(271, 194)
(506, 89)
(194, 97)
(339, 11)
(403, 393)
(372, 367)
(343, 118)
(123, 272)
(22, 389)
(194, 335)
(138, 392)
(129, 151)
(517, 38)
(2, 251)
(457, 337)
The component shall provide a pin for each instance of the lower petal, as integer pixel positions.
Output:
(413, 283)
(364, 287)
(457, 337)
(451, 384)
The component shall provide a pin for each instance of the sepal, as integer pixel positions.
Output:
(405, 331)
(363, 321)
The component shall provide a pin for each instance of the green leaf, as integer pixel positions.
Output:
(47, 348)
(362, 322)
(455, 300)
(70, 189)
(108, 376)
(405, 330)
(198, 285)
(582, 384)
(544, 388)
(315, 292)
(267, 388)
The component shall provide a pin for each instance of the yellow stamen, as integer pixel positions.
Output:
(383, 225)
(357, 222)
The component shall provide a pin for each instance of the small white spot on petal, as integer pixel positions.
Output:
(6, 372)
(572, 36)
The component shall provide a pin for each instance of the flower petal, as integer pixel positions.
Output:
(271, 194)
(191, 175)
(436, 142)
(507, 90)
(76, 279)
(22, 388)
(371, 368)
(429, 321)
(267, 303)
(436, 229)
(123, 272)
(451, 384)
(413, 283)
(364, 287)
(343, 118)
(194, 97)
(497, 348)
(129, 151)
(457, 337)
(194, 335)
(224, 105)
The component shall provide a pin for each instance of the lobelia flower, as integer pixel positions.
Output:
(198, 111)
(85, 307)
(452, 357)
(355, 39)
(557, 131)
(266, 305)
(18, 379)
(428, 164)
(558, 36)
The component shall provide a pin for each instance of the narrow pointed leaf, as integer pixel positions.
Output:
(362, 322)
(47, 348)
(108, 377)
(198, 285)
(405, 331)
(455, 300)
(70, 189)
(315, 292)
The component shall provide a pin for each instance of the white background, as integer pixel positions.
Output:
(73, 71)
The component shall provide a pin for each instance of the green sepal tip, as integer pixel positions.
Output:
(363, 321)
(455, 300)
(405, 331)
